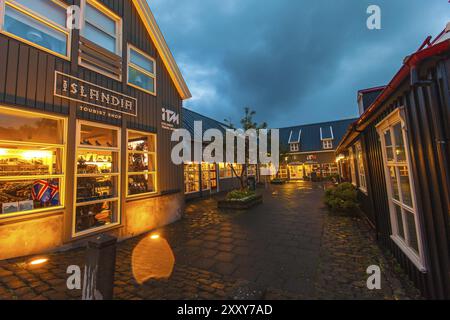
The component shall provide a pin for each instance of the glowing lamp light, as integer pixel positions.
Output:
(36, 154)
(154, 236)
(37, 262)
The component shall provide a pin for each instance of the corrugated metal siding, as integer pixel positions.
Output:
(427, 110)
(27, 79)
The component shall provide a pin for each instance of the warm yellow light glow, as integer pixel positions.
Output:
(154, 236)
(152, 260)
(28, 155)
(38, 261)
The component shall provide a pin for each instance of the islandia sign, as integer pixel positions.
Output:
(86, 93)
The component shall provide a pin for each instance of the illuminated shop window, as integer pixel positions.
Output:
(206, 177)
(400, 185)
(32, 150)
(191, 178)
(361, 170)
(251, 170)
(97, 178)
(225, 171)
(352, 166)
(141, 70)
(142, 172)
(40, 23)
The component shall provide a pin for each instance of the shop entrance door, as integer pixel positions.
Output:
(296, 172)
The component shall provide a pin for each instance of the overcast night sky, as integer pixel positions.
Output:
(292, 61)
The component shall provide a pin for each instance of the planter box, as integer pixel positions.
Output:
(241, 204)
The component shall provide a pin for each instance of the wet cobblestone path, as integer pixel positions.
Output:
(287, 248)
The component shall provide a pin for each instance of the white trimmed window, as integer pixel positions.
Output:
(361, 170)
(40, 23)
(191, 178)
(141, 161)
(327, 144)
(225, 171)
(352, 166)
(141, 70)
(295, 147)
(102, 26)
(400, 185)
(32, 162)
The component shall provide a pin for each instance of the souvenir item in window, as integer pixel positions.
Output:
(10, 207)
(94, 216)
(27, 205)
(45, 192)
(86, 142)
(105, 213)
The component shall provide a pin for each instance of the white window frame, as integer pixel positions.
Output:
(327, 144)
(188, 181)
(117, 175)
(150, 154)
(61, 176)
(295, 147)
(137, 68)
(352, 166)
(110, 14)
(361, 169)
(388, 123)
(42, 20)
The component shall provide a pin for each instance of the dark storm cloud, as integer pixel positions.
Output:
(291, 61)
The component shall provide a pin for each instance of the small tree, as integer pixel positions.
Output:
(247, 123)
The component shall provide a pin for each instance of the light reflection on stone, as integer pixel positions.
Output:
(152, 258)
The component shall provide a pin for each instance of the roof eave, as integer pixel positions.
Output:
(161, 45)
(400, 76)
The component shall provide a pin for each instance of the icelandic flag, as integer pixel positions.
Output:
(45, 192)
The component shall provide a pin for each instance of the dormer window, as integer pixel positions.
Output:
(39, 23)
(327, 137)
(327, 144)
(294, 141)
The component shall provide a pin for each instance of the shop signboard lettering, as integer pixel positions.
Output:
(170, 119)
(89, 94)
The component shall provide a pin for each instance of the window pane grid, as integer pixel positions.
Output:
(400, 184)
(32, 174)
(36, 16)
(141, 164)
(36, 30)
(139, 69)
(97, 178)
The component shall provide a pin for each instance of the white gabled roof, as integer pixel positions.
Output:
(161, 45)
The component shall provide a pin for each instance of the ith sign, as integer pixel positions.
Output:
(72, 88)
(170, 119)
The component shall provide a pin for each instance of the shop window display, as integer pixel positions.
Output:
(97, 177)
(142, 172)
(31, 163)
(191, 178)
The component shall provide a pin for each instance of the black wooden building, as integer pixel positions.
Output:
(398, 157)
(86, 115)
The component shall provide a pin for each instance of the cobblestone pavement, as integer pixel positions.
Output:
(287, 248)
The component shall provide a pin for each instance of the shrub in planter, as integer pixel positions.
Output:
(240, 194)
(342, 199)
